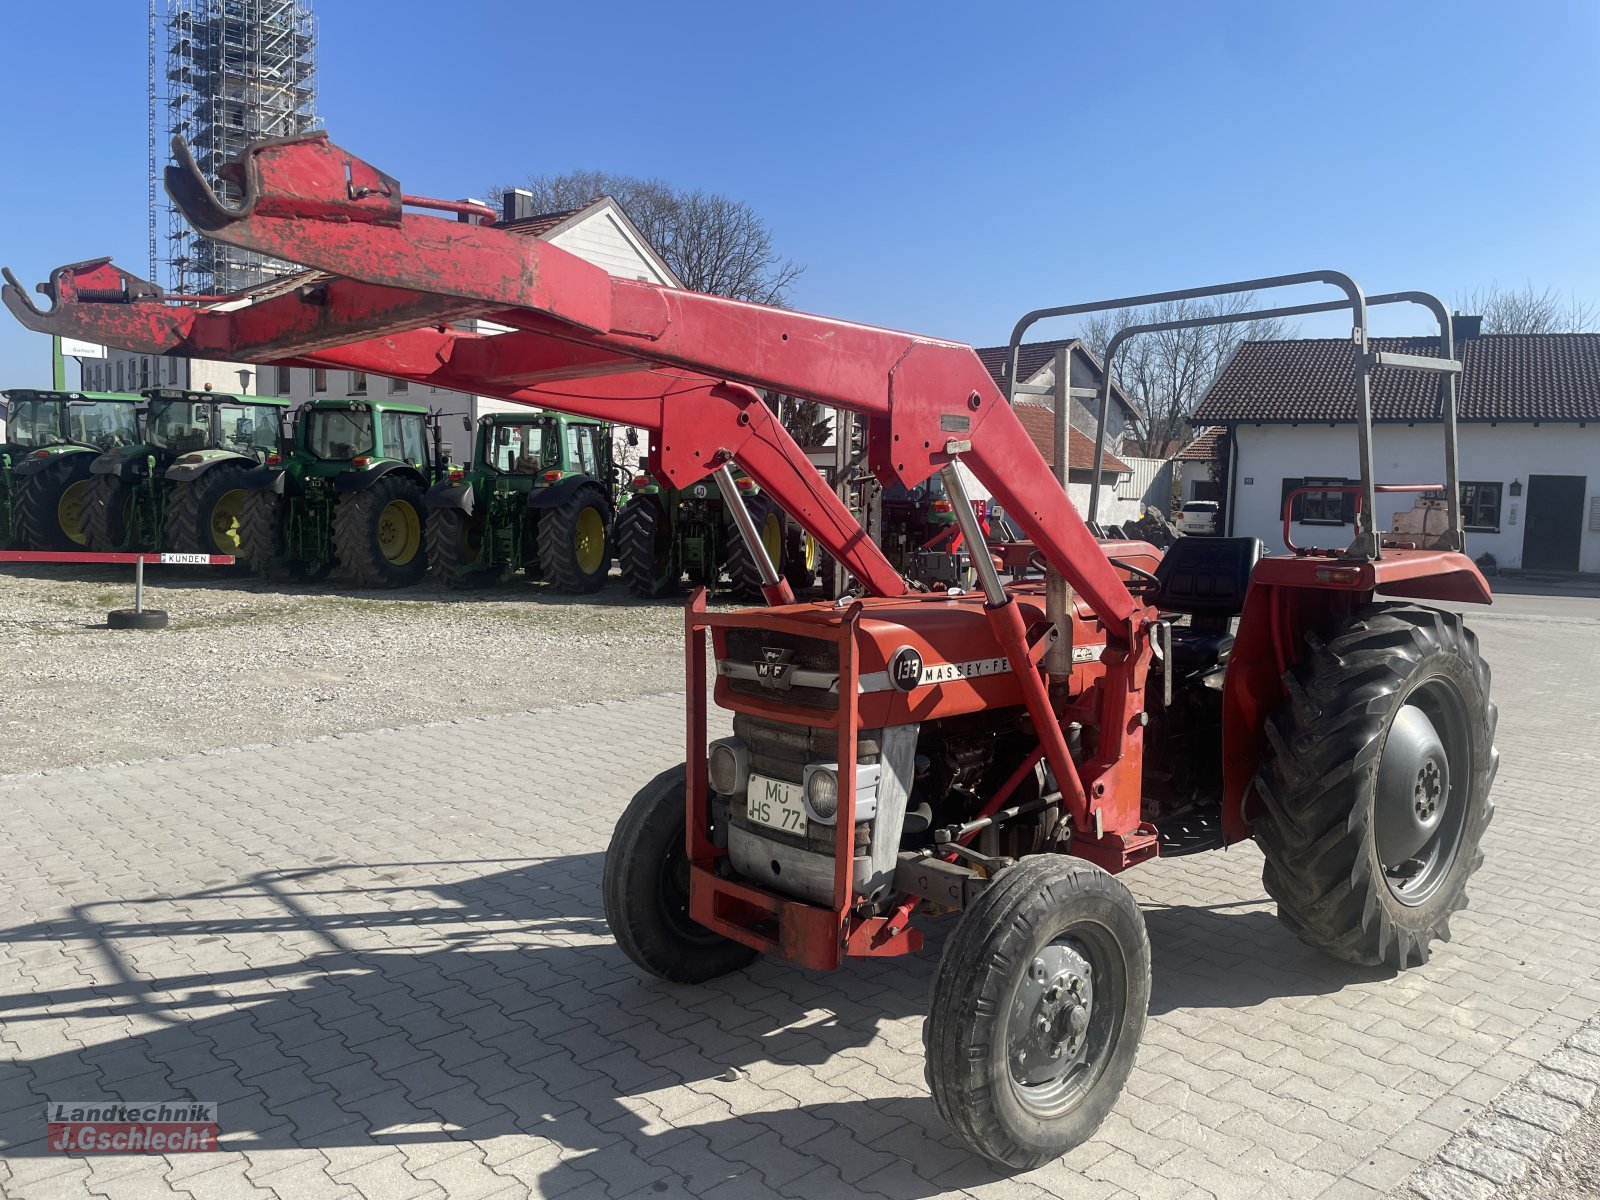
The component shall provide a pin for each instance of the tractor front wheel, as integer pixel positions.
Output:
(377, 532)
(106, 513)
(644, 549)
(645, 888)
(48, 507)
(1037, 1009)
(743, 576)
(455, 543)
(205, 515)
(574, 549)
(1376, 785)
(800, 555)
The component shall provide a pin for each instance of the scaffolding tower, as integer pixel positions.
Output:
(235, 71)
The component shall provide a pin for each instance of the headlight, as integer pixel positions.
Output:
(728, 766)
(822, 792)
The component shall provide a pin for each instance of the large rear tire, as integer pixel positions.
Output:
(205, 515)
(1376, 785)
(645, 888)
(455, 542)
(48, 505)
(744, 579)
(801, 555)
(261, 536)
(378, 532)
(574, 549)
(1037, 1009)
(107, 515)
(644, 549)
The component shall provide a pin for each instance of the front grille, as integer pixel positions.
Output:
(813, 667)
(781, 751)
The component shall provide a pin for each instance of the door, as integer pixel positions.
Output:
(1554, 524)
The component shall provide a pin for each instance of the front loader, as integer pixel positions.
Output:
(346, 489)
(1001, 754)
(180, 486)
(537, 497)
(52, 438)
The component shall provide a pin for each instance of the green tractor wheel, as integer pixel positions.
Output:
(48, 507)
(573, 548)
(205, 515)
(377, 532)
(455, 542)
(106, 513)
(743, 576)
(261, 540)
(644, 549)
(801, 556)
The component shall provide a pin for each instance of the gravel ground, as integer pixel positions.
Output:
(244, 662)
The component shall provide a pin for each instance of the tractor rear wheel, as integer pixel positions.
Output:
(574, 548)
(800, 555)
(455, 541)
(743, 576)
(107, 513)
(645, 888)
(48, 507)
(205, 515)
(261, 539)
(1376, 785)
(377, 532)
(644, 549)
(1037, 1009)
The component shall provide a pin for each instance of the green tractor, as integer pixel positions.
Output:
(665, 533)
(538, 496)
(181, 486)
(51, 440)
(345, 489)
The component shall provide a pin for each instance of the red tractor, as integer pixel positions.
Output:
(898, 755)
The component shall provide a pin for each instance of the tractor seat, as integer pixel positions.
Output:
(1205, 578)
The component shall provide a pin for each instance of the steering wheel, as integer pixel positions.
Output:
(1145, 579)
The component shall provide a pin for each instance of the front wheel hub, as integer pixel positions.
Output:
(1050, 1017)
(1413, 786)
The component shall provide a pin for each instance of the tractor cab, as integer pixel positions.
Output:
(51, 440)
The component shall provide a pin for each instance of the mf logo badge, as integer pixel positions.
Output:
(905, 668)
(774, 669)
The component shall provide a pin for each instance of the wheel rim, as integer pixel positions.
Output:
(811, 554)
(589, 541)
(1420, 806)
(673, 889)
(1063, 1020)
(69, 511)
(225, 520)
(399, 532)
(772, 538)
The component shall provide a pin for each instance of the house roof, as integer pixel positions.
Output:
(1504, 377)
(542, 223)
(1209, 446)
(1033, 357)
(1040, 422)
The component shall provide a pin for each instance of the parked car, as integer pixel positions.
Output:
(1198, 518)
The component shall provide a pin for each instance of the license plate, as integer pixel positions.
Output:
(777, 804)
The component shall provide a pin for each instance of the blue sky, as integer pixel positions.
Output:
(937, 167)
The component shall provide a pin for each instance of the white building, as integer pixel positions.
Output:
(599, 232)
(1529, 442)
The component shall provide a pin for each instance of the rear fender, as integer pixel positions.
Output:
(74, 457)
(196, 463)
(360, 481)
(266, 479)
(1288, 599)
(560, 492)
(450, 495)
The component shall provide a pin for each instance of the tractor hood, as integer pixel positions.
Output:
(122, 460)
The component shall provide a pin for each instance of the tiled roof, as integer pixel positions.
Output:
(1208, 447)
(539, 223)
(1040, 422)
(1505, 377)
(1033, 357)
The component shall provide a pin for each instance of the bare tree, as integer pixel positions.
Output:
(712, 243)
(1528, 310)
(1167, 373)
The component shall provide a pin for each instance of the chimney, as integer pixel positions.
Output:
(516, 204)
(1465, 327)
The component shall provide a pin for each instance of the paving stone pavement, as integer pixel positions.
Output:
(391, 972)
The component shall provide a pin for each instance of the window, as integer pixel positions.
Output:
(144, 372)
(358, 383)
(402, 436)
(581, 449)
(319, 379)
(1480, 506)
(398, 387)
(1321, 508)
(339, 434)
(285, 380)
(119, 375)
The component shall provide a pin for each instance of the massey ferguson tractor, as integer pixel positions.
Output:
(1001, 755)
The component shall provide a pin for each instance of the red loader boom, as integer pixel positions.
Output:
(1001, 754)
